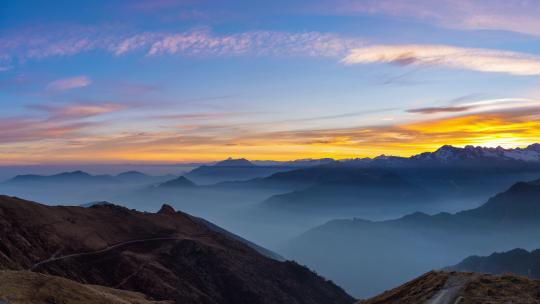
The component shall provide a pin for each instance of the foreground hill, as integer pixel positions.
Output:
(364, 251)
(24, 287)
(166, 255)
(517, 261)
(463, 288)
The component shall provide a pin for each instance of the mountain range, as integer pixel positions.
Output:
(363, 250)
(232, 170)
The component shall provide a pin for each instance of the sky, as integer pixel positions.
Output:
(171, 81)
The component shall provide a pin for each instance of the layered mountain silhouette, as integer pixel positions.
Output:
(461, 287)
(179, 182)
(333, 187)
(232, 170)
(367, 248)
(517, 261)
(65, 177)
(167, 255)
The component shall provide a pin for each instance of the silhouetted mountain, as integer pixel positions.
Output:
(66, 177)
(298, 163)
(336, 187)
(180, 182)
(517, 261)
(24, 287)
(232, 170)
(459, 287)
(230, 162)
(167, 255)
(132, 176)
(510, 219)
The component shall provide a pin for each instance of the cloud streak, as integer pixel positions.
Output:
(481, 60)
(38, 44)
(434, 110)
(514, 16)
(69, 83)
(39, 141)
(77, 111)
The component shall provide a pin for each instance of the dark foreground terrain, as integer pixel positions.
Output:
(24, 287)
(463, 288)
(167, 255)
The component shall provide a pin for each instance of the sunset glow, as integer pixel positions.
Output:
(182, 81)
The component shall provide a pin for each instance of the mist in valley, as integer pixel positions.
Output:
(367, 228)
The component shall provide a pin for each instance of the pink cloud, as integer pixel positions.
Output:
(82, 110)
(69, 83)
(515, 16)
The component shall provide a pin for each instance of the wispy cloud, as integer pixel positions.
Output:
(434, 110)
(38, 44)
(482, 60)
(54, 122)
(77, 111)
(265, 43)
(464, 105)
(515, 16)
(69, 83)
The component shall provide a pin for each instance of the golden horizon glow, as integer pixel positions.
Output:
(491, 130)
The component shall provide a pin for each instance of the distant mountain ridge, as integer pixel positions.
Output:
(333, 187)
(230, 162)
(508, 220)
(179, 182)
(81, 176)
(517, 261)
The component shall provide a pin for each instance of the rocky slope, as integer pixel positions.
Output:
(463, 288)
(166, 255)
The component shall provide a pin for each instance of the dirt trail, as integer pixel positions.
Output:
(112, 247)
(450, 291)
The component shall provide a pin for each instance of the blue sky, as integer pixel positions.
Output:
(189, 80)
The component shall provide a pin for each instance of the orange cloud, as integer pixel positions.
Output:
(518, 128)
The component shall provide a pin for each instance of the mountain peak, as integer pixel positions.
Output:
(231, 162)
(130, 174)
(74, 173)
(179, 182)
(166, 209)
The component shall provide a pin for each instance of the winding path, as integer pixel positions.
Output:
(54, 258)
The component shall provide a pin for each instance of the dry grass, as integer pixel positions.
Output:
(477, 289)
(23, 287)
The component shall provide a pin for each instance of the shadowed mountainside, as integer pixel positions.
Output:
(166, 255)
